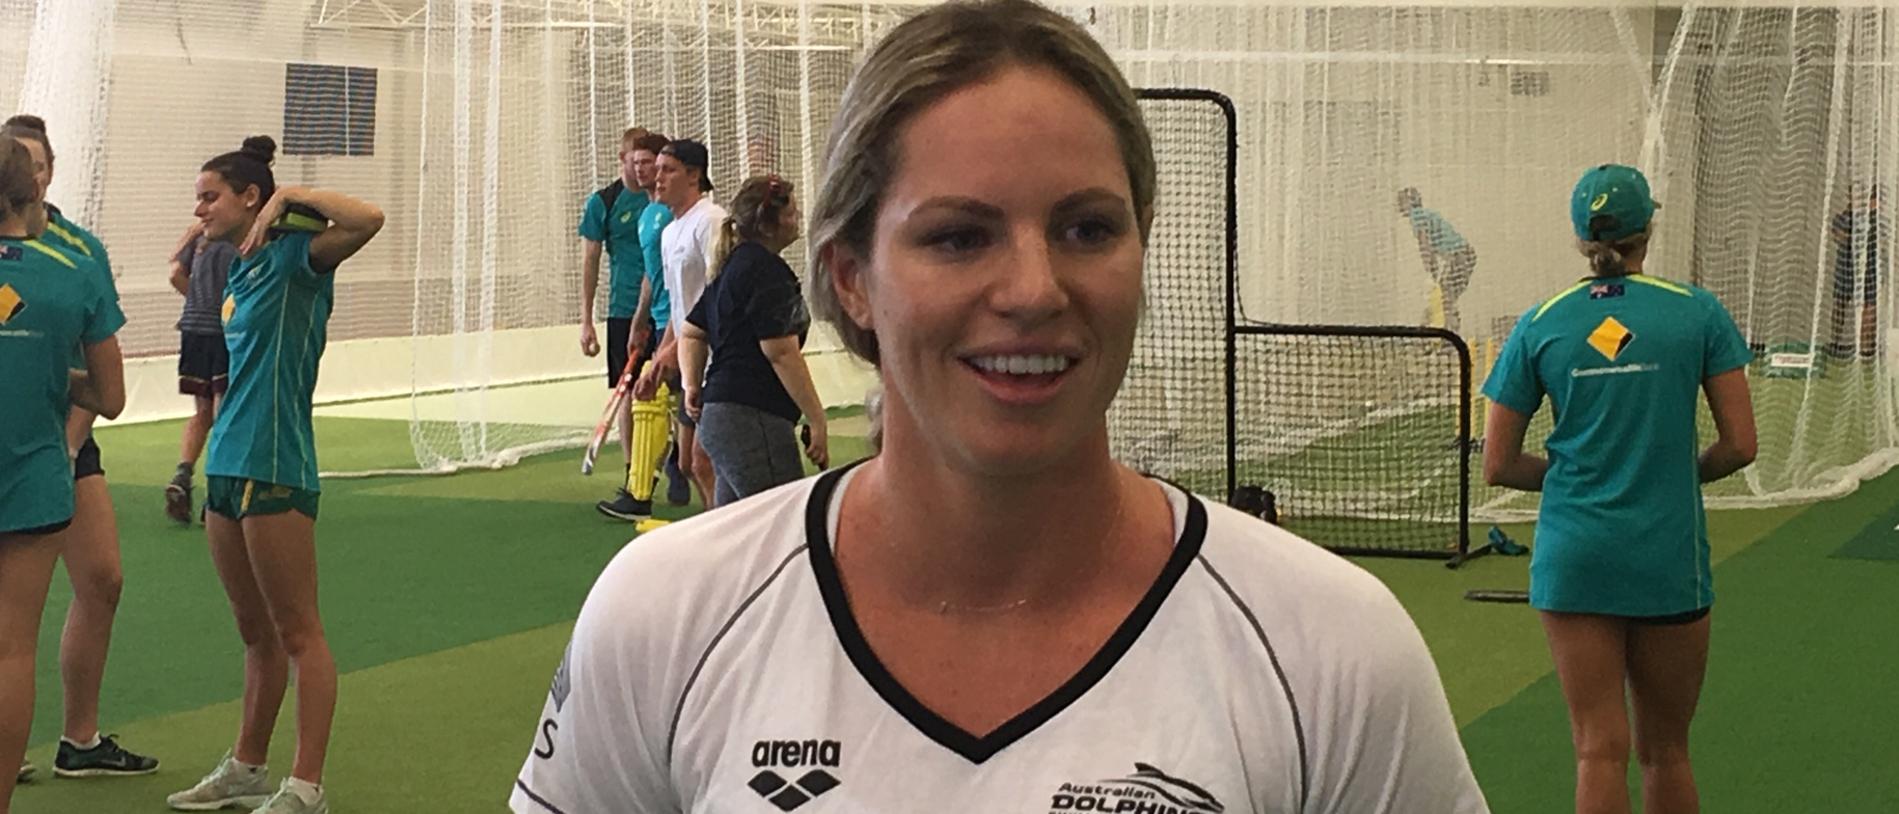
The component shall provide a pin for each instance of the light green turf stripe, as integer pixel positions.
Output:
(442, 732)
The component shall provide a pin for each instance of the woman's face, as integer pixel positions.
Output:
(790, 223)
(42, 168)
(1004, 276)
(226, 213)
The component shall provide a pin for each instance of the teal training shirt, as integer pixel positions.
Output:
(74, 240)
(1436, 229)
(619, 232)
(276, 313)
(653, 223)
(50, 302)
(1621, 530)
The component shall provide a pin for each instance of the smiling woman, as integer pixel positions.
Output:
(992, 612)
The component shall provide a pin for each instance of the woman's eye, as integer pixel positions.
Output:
(957, 241)
(1093, 231)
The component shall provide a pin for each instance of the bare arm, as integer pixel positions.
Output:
(692, 364)
(1733, 408)
(665, 358)
(182, 256)
(643, 312)
(1505, 463)
(353, 223)
(589, 277)
(101, 389)
(787, 360)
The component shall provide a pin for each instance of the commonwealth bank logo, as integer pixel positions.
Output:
(1610, 338)
(11, 303)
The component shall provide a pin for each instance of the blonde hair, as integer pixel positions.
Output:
(1610, 258)
(929, 56)
(19, 190)
(754, 215)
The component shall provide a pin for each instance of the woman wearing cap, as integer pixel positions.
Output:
(992, 614)
(752, 320)
(1620, 571)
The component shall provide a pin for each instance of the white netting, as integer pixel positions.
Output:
(495, 118)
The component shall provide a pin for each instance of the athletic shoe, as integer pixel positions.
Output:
(26, 771)
(286, 801)
(227, 786)
(678, 487)
(626, 507)
(178, 499)
(107, 759)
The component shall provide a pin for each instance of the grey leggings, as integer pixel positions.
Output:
(751, 450)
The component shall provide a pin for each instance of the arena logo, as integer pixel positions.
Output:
(1148, 791)
(787, 794)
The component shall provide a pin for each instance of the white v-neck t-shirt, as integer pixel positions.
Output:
(716, 667)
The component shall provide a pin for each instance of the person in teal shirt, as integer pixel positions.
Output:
(90, 546)
(261, 471)
(50, 303)
(1448, 258)
(1620, 569)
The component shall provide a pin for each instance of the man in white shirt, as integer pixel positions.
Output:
(687, 248)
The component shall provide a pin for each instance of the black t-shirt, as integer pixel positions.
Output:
(754, 297)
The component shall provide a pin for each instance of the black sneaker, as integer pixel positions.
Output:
(625, 507)
(678, 487)
(178, 499)
(26, 772)
(105, 760)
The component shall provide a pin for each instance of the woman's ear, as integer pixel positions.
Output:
(849, 282)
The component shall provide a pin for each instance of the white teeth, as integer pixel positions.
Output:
(1022, 365)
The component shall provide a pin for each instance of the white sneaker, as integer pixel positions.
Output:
(26, 771)
(286, 801)
(227, 786)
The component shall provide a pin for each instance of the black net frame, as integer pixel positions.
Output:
(1184, 381)
(1363, 434)
(1173, 416)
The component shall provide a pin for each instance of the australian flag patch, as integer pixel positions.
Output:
(9, 251)
(1603, 291)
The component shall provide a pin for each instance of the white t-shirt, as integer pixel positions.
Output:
(716, 668)
(686, 248)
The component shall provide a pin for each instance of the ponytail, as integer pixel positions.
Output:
(722, 248)
(1611, 258)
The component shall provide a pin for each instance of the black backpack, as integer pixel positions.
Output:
(608, 194)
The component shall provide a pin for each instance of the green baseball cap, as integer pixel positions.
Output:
(1611, 202)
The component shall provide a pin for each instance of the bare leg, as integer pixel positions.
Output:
(1589, 652)
(26, 573)
(282, 548)
(90, 547)
(266, 669)
(1666, 667)
(197, 429)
